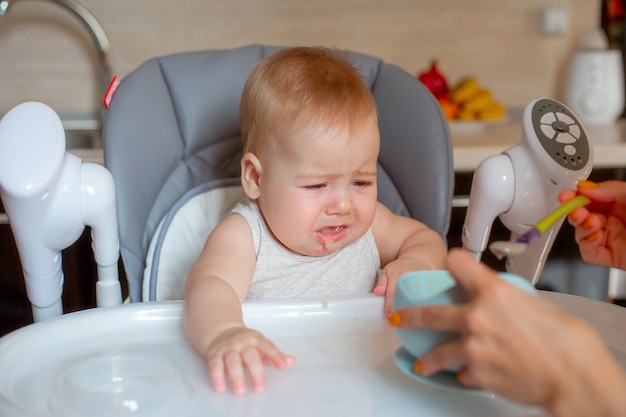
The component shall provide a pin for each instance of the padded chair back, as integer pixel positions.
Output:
(173, 124)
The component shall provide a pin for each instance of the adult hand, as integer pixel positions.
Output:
(600, 227)
(512, 343)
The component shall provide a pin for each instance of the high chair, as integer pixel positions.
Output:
(172, 143)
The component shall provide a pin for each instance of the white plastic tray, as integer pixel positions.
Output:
(134, 360)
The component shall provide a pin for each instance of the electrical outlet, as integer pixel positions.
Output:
(554, 20)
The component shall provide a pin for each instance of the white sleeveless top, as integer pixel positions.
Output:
(279, 273)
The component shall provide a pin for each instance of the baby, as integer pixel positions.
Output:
(311, 224)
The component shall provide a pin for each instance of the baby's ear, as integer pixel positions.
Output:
(251, 171)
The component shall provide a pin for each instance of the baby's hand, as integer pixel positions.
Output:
(238, 348)
(386, 284)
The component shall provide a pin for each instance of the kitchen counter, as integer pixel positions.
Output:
(474, 141)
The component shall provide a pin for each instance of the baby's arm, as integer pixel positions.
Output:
(215, 289)
(404, 244)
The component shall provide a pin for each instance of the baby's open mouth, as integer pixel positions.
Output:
(331, 235)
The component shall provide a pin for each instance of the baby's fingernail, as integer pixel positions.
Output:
(395, 319)
(418, 367)
(593, 237)
(587, 185)
(572, 216)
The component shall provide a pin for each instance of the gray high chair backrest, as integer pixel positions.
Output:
(173, 124)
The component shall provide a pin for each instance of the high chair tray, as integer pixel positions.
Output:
(134, 360)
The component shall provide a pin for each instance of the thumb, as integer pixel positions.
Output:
(381, 285)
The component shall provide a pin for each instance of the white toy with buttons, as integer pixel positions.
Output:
(520, 185)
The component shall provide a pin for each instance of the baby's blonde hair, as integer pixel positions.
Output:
(303, 86)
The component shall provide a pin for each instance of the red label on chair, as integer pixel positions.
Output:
(108, 96)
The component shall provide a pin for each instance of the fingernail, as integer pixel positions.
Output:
(587, 185)
(595, 236)
(572, 216)
(588, 224)
(395, 319)
(418, 367)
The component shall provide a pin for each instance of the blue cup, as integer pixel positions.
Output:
(420, 288)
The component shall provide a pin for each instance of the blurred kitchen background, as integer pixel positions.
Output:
(47, 55)
(518, 49)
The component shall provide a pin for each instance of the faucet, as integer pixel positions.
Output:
(95, 30)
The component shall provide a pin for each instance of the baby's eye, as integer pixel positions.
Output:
(315, 186)
(361, 184)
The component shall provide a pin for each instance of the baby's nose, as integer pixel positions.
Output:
(341, 203)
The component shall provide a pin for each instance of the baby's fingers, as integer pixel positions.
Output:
(217, 374)
(234, 368)
(229, 364)
(385, 286)
(272, 356)
(252, 361)
(381, 285)
(265, 353)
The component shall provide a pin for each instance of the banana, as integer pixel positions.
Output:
(494, 111)
(466, 88)
(475, 102)
(479, 101)
(465, 115)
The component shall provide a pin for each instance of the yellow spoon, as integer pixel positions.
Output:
(518, 245)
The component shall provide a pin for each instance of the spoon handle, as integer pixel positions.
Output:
(545, 223)
(563, 210)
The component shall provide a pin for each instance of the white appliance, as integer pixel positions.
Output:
(50, 196)
(521, 185)
(595, 83)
